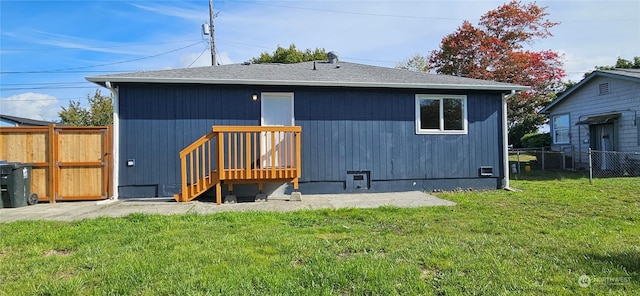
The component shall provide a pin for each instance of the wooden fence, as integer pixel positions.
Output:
(69, 163)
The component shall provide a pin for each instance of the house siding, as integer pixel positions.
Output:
(343, 130)
(623, 97)
(375, 131)
(157, 122)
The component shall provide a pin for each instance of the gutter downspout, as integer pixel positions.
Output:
(116, 140)
(505, 141)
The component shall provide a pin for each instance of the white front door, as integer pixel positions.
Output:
(276, 109)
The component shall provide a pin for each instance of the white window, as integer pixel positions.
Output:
(441, 114)
(561, 129)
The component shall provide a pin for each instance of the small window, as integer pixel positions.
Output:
(603, 88)
(561, 129)
(441, 114)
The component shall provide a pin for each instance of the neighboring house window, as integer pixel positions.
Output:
(561, 129)
(441, 114)
(603, 88)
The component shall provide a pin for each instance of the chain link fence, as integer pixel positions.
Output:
(597, 164)
(614, 164)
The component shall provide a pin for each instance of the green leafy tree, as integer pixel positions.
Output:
(290, 55)
(100, 111)
(495, 50)
(625, 64)
(621, 64)
(415, 63)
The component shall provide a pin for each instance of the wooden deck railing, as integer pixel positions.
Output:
(240, 154)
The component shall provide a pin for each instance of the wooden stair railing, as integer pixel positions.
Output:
(197, 168)
(239, 155)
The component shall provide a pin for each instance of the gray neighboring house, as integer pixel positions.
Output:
(8, 121)
(600, 112)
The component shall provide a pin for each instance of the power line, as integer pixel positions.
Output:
(45, 83)
(67, 70)
(44, 87)
(247, 44)
(360, 13)
(98, 47)
(218, 60)
(77, 71)
(423, 17)
(203, 51)
(36, 100)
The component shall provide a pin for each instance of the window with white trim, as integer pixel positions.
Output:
(561, 129)
(441, 114)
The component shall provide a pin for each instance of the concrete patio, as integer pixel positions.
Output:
(70, 211)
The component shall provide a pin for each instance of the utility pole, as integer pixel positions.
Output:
(211, 39)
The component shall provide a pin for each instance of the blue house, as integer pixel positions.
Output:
(356, 128)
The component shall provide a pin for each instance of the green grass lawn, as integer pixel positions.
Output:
(537, 241)
(524, 157)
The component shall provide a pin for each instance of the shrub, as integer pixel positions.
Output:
(536, 140)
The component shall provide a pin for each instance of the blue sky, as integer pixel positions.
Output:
(48, 47)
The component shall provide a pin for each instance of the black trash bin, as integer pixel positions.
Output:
(15, 185)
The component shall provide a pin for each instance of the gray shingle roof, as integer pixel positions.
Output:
(629, 73)
(25, 121)
(303, 74)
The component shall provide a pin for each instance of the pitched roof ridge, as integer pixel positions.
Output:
(342, 73)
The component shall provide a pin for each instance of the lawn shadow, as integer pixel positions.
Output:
(547, 175)
(630, 261)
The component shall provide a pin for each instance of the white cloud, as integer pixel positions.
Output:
(194, 59)
(31, 105)
(576, 64)
(193, 13)
(72, 42)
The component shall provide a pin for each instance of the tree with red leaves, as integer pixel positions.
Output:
(495, 50)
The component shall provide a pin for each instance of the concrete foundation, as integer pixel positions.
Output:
(296, 196)
(230, 199)
(261, 197)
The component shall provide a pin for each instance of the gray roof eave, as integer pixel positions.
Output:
(102, 81)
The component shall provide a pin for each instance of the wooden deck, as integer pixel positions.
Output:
(240, 155)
